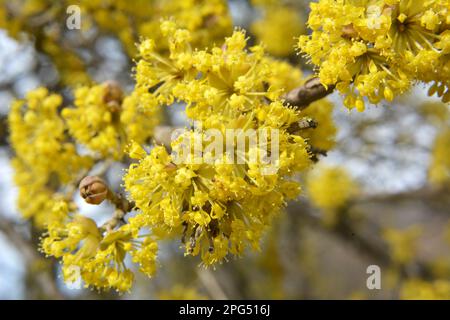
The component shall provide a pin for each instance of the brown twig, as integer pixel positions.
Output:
(123, 206)
(211, 284)
(3, 130)
(163, 135)
(311, 91)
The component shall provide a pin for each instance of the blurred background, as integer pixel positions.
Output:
(392, 159)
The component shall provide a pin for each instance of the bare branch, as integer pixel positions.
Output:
(3, 130)
(311, 91)
(163, 134)
(211, 284)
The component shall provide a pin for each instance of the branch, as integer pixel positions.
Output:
(300, 98)
(347, 230)
(428, 194)
(311, 91)
(211, 284)
(3, 129)
(163, 134)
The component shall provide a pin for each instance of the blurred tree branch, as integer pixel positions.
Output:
(368, 245)
(432, 195)
(3, 130)
(211, 284)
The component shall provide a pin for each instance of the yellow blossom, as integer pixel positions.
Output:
(402, 243)
(330, 188)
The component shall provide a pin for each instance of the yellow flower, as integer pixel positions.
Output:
(278, 28)
(330, 188)
(45, 157)
(217, 208)
(439, 170)
(180, 292)
(417, 289)
(106, 122)
(402, 243)
(99, 259)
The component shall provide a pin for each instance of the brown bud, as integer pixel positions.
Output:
(349, 32)
(113, 94)
(93, 189)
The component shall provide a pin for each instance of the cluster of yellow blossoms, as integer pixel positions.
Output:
(208, 21)
(417, 289)
(105, 121)
(439, 172)
(378, 48)
(330, 189)
(46, 158)
(218, 207)
(47, 139)
(366, 48)
(96, 258)
(278, 27)
(402, 243)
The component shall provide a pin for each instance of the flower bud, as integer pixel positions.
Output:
(93, 189)
(113, 95)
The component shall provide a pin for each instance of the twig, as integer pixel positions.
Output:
(163, 135)
(3, 130)
(311, 91)
(211, 284)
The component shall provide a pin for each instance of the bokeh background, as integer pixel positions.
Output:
(396, 218)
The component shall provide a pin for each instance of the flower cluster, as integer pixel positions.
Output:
(418, 289)
(217, 205)
(439, 171)
(278, 27)
(208, 21)
(99, 260)
(46, 158)
(221, 206)
(403, 243)
(377, 49)
(330, 188)
(105, 121)
(47, 138)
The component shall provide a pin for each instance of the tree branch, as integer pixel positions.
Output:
(3, 129)
(211, 284)
(347, 230)
(311, 91)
